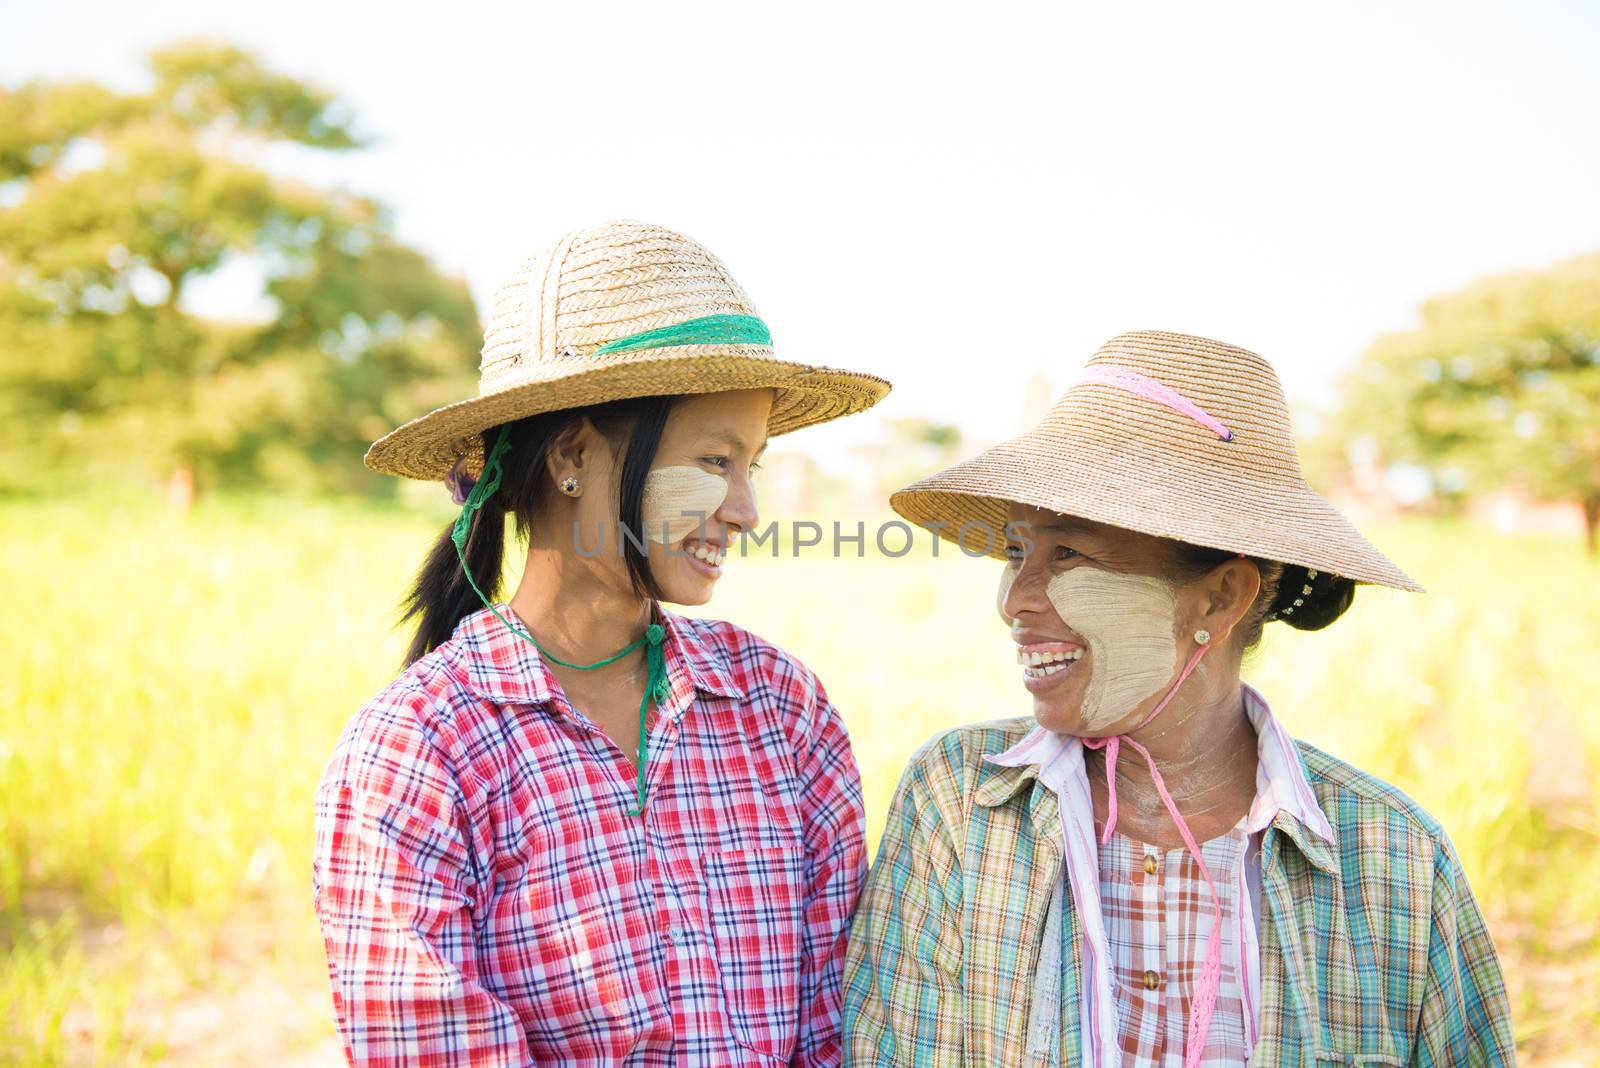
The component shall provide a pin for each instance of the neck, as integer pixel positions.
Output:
(575, 610)
(1202, 743)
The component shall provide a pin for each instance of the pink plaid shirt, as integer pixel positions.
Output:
(486, 899)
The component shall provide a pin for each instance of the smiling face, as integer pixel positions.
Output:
(1096, 625)
(698, 495)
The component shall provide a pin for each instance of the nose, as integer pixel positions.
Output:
(1022, 591)
(738, 511)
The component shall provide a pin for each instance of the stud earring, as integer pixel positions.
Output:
(1202, 637)
(569, 486)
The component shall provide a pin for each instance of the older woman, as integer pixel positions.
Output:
(1228, 895)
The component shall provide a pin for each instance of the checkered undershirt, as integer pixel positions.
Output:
(1157, 913)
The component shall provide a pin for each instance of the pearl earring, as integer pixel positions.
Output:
(1202, 637)
(569, 486)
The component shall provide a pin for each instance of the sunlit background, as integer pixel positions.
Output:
(239, 242)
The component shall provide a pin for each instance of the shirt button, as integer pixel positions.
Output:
(1151, 980)
(1149, 864)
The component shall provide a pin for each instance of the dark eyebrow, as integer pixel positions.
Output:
(1067, 526)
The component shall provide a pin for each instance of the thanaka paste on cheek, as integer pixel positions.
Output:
(677, 500)
(1128, 622)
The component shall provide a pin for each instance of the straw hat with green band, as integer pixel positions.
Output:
(622, 310)
(1176, 436)
(625, 309)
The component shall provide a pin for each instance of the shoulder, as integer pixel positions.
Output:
(1374, 819)
(949, 767)
(747, 657)
(1345, 791)
(400, 741)
(775, 695)
(762, 672)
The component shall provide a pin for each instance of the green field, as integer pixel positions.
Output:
(171, 685)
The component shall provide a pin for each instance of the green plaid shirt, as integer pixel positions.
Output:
(1373, 950)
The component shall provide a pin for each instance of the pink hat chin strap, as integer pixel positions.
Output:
(1205, 995)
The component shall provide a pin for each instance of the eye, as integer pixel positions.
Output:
(754, 466)
(715, 461)
(1066, 552)
(1014, 553)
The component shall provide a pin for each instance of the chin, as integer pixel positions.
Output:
(689, 590)
(1059, 716)
(686, 598)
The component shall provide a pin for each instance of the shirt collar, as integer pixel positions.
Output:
(704, 663)
(504, 668)
(1283, 794)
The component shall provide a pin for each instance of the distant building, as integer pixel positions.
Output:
(1365, 494)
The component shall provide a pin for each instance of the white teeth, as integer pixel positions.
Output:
(708, 554)
(1041, 672)
(1038, 665)
(1056, 656)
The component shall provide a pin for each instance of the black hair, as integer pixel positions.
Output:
(441, 596)
(1281, 586)
(1310, 598)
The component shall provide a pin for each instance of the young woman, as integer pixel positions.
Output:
(1221, 895)
(579, 829)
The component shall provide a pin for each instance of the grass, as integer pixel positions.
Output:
(171, 685)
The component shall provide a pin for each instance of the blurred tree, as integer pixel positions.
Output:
(112, 207)
(913, 448)
(1499, 385)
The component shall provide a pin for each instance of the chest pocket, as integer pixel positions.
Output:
(755, 908)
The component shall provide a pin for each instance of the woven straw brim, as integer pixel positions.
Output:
(1272, 515)
(427, 447)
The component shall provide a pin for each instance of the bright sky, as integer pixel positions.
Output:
(957, 197)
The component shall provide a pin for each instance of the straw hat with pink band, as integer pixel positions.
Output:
(1177, 437)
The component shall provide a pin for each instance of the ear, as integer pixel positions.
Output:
(1226, 595)
(574, 451)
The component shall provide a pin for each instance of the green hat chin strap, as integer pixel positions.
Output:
(655, 684)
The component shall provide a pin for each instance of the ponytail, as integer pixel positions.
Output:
(442, 596)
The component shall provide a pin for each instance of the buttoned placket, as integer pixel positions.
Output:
(1150, 879)
(680, 939)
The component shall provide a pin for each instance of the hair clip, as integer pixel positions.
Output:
(459, 481)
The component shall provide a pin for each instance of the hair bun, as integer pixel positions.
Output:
(1309, 599)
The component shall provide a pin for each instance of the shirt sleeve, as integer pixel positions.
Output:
(1465, 1018)
(836, 868)
(902, 974)
(393, 893)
